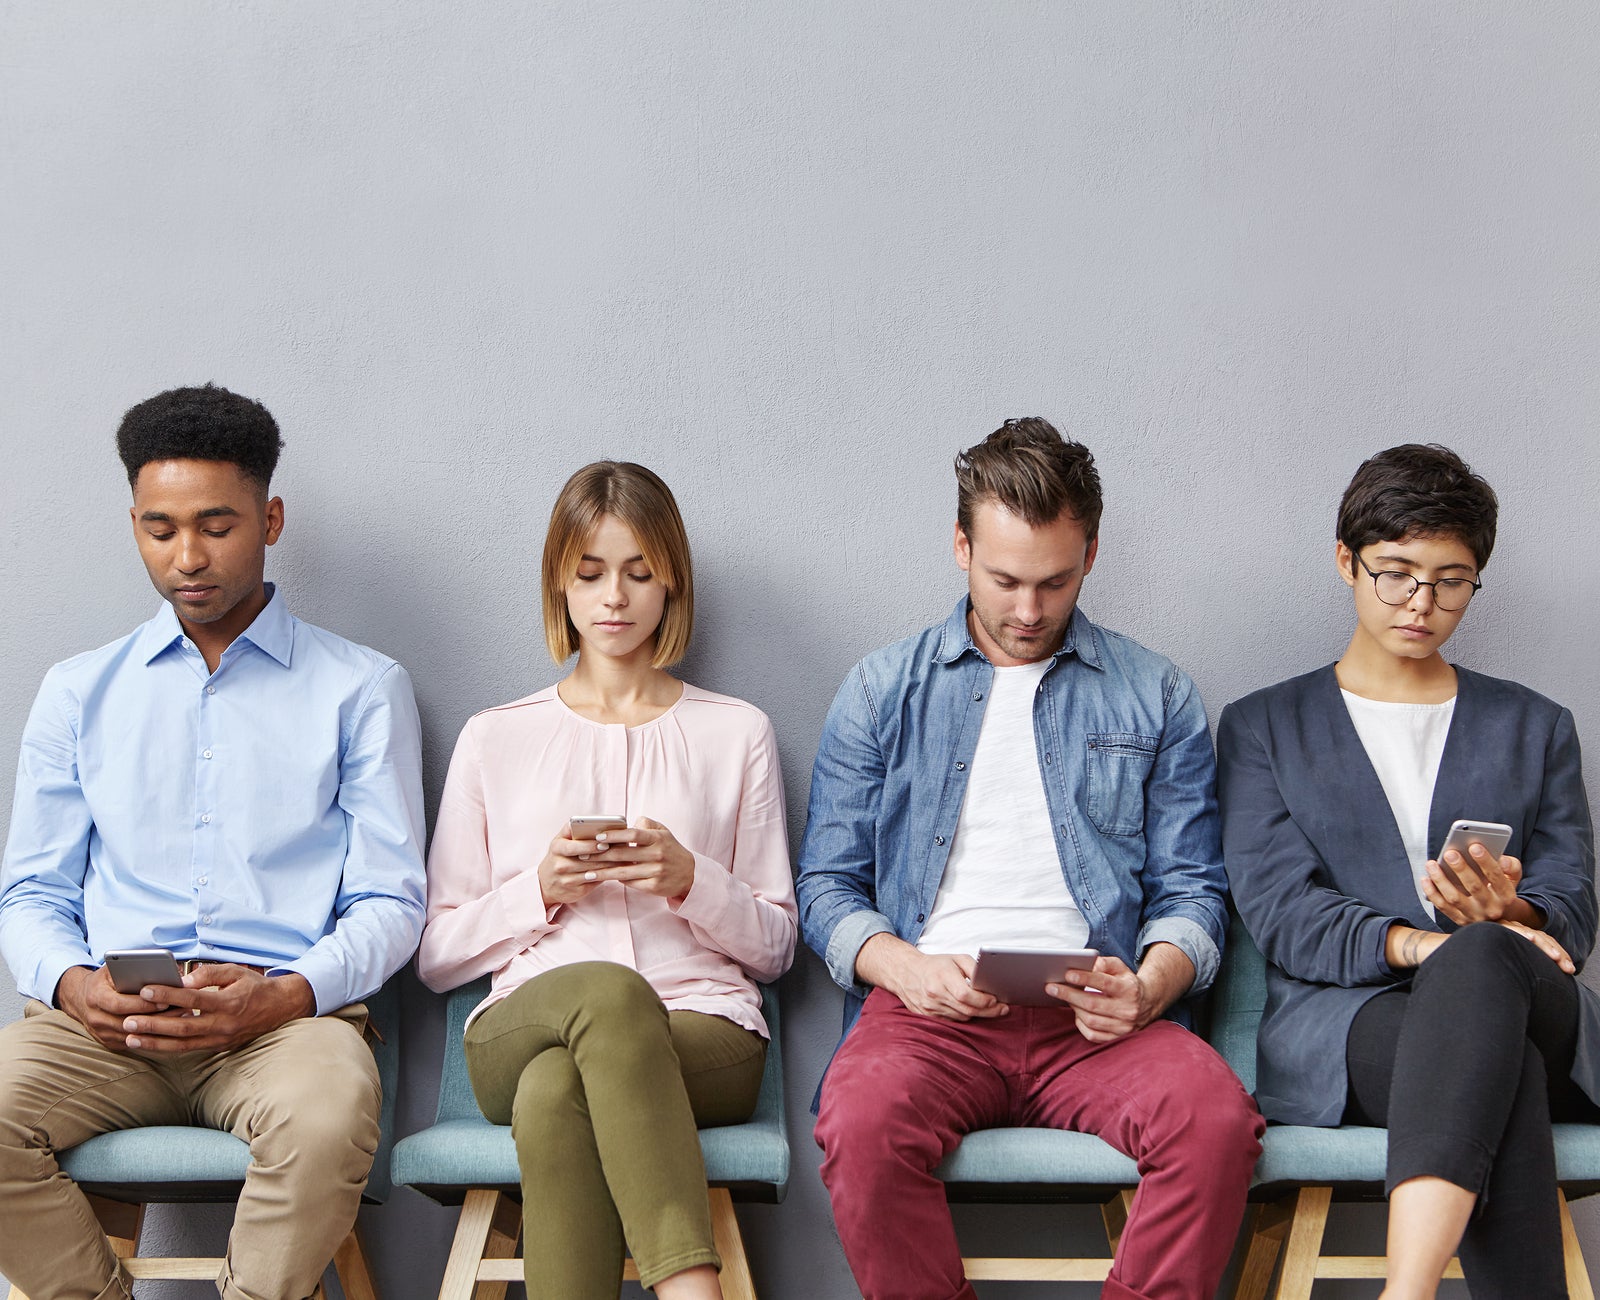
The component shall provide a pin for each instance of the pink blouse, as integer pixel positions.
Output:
(707, 769)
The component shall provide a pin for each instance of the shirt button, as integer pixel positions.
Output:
(211, 690)
(977, 695)
(201, 881)
(205, 920)
(205, 817)
(938, 839)
(961, 767)
(919, 918)
(185, 644)
(205, 753)
(1048, 758)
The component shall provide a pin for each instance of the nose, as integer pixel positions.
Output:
(615, 596)
(1028, 608)
(1421, 600)
(191, 556)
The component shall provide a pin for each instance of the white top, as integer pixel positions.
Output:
(1405, 743)
(1002, 883)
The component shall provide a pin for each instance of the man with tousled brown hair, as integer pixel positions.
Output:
(1018, 777)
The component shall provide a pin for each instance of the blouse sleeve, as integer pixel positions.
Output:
(745, 909)
(473, 926)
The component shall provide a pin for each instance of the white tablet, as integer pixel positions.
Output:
(1018, 976)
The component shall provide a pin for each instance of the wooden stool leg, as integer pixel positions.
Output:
(355, 1273)
(121, 1222)
(737, 1283)
(487, 1229)
(1577, 1271)
(1268, 1225)
(1310, 1218)
(1115, 1215)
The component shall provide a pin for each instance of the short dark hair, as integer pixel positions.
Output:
(205, 423)
(1029, 468)
(1419, 490)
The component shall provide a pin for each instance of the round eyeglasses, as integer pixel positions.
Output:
(1396, 588)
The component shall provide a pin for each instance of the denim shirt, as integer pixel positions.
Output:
(1129, 776)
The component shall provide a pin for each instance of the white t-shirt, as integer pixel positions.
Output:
(1405, 743)
(1002, 883)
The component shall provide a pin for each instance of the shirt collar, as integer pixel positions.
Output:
(272, 631)
(956, 638)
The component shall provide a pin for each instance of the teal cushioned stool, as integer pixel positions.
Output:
(1041, 1165)
(463, 1159)
(122, 1172)
(1302, 1170)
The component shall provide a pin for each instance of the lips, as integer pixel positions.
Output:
(195, 593)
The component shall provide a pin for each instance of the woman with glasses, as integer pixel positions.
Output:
(1434, 997)
(613, 849)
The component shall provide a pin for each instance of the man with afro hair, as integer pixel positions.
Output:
(241, 789)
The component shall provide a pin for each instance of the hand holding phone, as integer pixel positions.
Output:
(1488, 892)
(132, 969)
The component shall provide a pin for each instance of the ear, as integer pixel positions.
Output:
(1344, 560)
(274, 520)
(1088, 556)
(963, 549)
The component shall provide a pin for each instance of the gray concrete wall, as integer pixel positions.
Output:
(793, 256)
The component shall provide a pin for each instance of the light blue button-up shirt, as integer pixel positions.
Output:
(268, 813)
(1129, 777)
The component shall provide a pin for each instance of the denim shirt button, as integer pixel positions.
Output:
(1049, 758)
(961, 767)
(977, 695)
(938, 839)
(919, 918)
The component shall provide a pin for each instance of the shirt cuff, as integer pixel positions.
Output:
(706, 904)
(1189, 938)
(525, 910)
(326, 975)
(49, 969)
(845, 943)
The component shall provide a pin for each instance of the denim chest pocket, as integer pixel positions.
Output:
(1119, 763)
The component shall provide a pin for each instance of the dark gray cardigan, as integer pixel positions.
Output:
(1319, 873)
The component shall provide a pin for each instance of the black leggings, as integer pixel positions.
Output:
(1467, 1066)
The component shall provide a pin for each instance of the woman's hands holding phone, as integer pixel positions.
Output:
(1475, 886)
(646, 857)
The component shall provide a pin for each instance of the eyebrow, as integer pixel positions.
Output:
(595, 559)
(1412, 564)
(1049, 577)
(212, 512)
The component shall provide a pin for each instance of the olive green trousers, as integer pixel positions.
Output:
(604, 1089)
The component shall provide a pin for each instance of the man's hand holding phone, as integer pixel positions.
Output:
(87, 995)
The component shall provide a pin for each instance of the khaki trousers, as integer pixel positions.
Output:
(304, 1096)
(603, 1089)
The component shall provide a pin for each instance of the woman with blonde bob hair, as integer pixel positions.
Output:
(625, 946)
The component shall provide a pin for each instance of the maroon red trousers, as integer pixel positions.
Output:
(904, 1088)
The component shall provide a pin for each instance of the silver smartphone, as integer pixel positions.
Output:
(1018, 975)
(586, 826)
(132, 969)
(1494, 836)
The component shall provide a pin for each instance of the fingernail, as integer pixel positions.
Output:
(134, 1042)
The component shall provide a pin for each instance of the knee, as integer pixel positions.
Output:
(549, 1105)
(610, 993)
(1475, 945)
(865, 1120)
(325, 1111)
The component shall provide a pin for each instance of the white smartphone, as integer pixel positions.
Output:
(1018, 975)
(586, 826)
(1494, 836)
(132, 969)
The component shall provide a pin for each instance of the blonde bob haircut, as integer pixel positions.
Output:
(638, 498)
